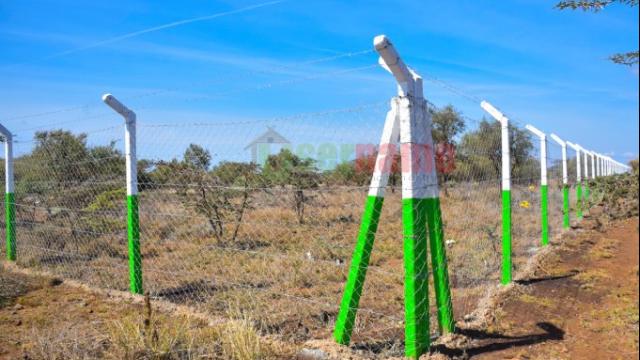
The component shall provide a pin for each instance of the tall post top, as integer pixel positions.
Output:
(495, 113)
(575, 147)
(537, 132)
(5, 133)
(557, 139)
(118, 107)
(409, 82)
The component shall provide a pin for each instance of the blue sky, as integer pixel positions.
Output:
(267, 65)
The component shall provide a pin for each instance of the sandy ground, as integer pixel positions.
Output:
(580, 303)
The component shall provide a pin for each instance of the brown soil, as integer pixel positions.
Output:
(44, 317)
(581, 302)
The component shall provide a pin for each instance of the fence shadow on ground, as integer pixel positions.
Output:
(487, 342)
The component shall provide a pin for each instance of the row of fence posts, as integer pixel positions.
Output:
(409, 124)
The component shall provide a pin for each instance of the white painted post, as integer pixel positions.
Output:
(9, 197)
(576, 148)
(544, 191)
(133, 220)
(506, 191)
(565, 182)
(585, 185)
(410, 121)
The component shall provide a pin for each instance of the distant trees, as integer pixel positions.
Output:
(447, 124)
(286, 169)
(634, 165)
(220, 194)
(480, 153)
(64, 172)
(62, 161)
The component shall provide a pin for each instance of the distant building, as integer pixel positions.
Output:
(261, 146)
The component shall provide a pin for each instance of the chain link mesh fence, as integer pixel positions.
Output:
(260, 217)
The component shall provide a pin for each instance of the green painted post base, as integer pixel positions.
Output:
(586, 193)
(416, 281)
(439, 266)
(566, 221)
(506, 237)
(133, 234)
(10, 216)
(544, 213)
(579, 201)
(358, 270)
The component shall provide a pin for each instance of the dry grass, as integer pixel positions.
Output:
(287, 276)
(50, 322)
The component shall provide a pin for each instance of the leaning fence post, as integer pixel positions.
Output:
(506, 190)
(565, 182)
(544, 199)
(9, 197)
(409, 122)
(133, 221)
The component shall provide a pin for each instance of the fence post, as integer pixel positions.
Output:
(566, 223)
(409, 122)
(586, 191)
(9, 197)
(506, 191)
(544, 191)
(368, 227)
(576, 148)
(133, 221)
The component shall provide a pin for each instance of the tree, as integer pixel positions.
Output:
(634, 165)
(206, 192)
(480, 153)
(346, 173)
(288, 170)
(197, 157)
(60, 156)
(447, 123)
(222, 195)
(628, 58)
(62, 161)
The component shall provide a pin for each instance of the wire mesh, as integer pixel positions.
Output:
(262, 215)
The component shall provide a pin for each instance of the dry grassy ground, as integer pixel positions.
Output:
(45, 318)
(288, 276)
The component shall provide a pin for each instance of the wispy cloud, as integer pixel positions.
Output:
(156, 28)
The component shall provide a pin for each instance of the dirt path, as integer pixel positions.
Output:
(581, 302)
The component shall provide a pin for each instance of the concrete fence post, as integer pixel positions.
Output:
(9, 195)
(544, 191)
(133, 220)
(506, 191)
